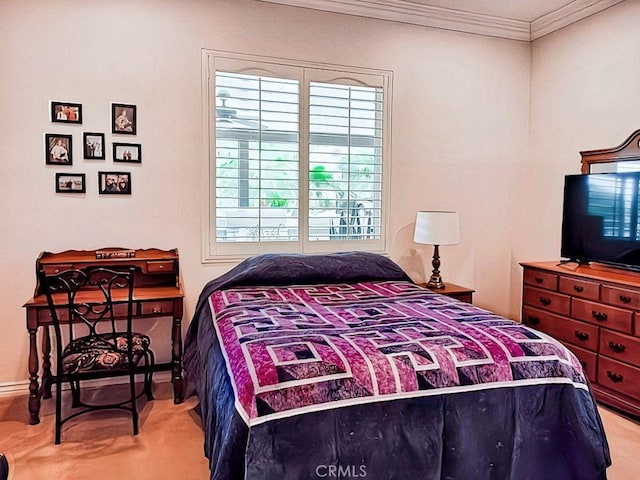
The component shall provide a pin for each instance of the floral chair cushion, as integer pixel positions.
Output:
(93, 352)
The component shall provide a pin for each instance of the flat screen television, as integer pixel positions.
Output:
(600, 220)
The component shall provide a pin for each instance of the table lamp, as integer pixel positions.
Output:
(437, 228)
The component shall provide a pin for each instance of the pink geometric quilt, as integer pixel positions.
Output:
(291, 350)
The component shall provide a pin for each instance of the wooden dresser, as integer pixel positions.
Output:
(595, 311)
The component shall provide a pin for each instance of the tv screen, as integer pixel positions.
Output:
(600, 219)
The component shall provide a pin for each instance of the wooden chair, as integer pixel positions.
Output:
(84, 306)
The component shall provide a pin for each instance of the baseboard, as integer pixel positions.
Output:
(11, 389)
(8, 389)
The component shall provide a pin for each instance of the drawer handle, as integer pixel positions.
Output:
(156, 310)
(545, 301)
(578, 288)
(582, 336)
(539, 280)
(616, 347)
(614, 377)
(531, 320)
(599, 316)
(625, 299)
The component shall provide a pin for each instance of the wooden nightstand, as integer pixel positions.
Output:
(463, 294)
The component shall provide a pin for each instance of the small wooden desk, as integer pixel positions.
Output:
(157, 293)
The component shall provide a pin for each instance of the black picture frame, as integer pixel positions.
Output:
(114, 183)
(66, 112)
(127, 152)
(71, 183)
(93, 146)
(124, 118)
(58, 149)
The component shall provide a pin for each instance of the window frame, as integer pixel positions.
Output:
(216, 252)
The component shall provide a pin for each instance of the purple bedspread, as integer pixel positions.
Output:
(338, 366)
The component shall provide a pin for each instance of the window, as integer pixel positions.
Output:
(297, 157)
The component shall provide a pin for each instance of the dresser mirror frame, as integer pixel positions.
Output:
(624, 157)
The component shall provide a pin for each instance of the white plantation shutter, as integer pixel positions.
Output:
(298, 157)
(345, 159)
(257, 147)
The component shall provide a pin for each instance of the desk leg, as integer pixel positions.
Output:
(176, 360)
(34, 394)
(46, 363)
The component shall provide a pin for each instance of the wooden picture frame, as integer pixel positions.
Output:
(66, 112)
(127, 152)
(71, 183)
(114, 183)
(124, 119)
(58, 149)
(93, 146)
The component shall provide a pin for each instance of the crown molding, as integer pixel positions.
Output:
(457, 20)
(571, 13)
(419, 14)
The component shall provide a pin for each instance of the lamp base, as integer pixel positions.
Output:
(435, 283)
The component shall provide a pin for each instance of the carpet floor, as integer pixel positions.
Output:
(170, 443)
(100, 445)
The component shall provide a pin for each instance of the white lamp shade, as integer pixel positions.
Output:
(437, 228)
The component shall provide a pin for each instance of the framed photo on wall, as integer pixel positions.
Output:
(127, 152)
(66, 112)
(114, 183)
(93, 144)
(70, 183)
(58, 149)
(123, 119)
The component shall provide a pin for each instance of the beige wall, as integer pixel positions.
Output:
(584, 90)
(460, 131)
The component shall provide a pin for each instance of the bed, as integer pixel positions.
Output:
(339, 366)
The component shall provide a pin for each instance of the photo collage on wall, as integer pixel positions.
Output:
(59, 148)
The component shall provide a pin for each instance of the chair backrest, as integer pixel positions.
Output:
(88, 302)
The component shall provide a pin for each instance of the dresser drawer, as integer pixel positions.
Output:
(579, 288)
(44, 315)
(563, 329)
(619, 377)
(551, 301)
(161, 266)
(157, 308)
(609, 317)
(541, 279)
(588, 360)
(56, 268)
(120, 310)
(620, 347)
(621, 297)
